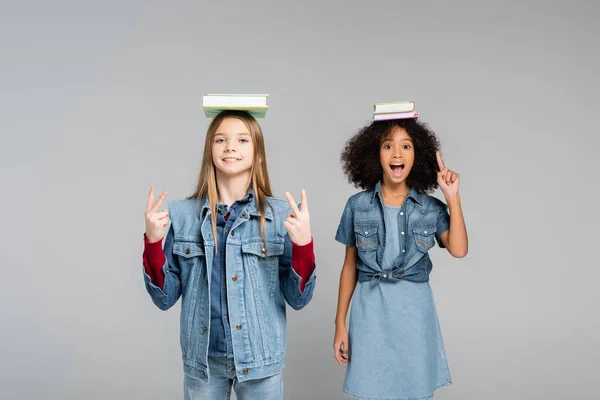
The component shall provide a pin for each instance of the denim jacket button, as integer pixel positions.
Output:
(234, 278)
(263, 250)
(238, 327)
(232, 232)
(187, 251)
(205, 329)
(202, 373)
(245, 371)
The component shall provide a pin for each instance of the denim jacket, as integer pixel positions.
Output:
(259, 282)
(421, 219)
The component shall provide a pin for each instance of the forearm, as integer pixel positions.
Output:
(348, 279)
(458, 243)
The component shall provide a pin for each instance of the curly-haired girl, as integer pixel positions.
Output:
(393, 347)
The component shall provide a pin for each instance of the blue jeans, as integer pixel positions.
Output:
(222, 379)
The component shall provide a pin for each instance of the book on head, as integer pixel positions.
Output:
(254, 104)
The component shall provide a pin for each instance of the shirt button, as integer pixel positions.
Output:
(366, 233)
(234, 278)
(245, 371)
(385, 275)
(404, 251)
(401, 213)
(238, 327)
(402, 233)
(226, 317)
(425, 232)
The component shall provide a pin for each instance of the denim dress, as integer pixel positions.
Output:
(396, 349)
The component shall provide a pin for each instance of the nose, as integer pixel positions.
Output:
(229, 146)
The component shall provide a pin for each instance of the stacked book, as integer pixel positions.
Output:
(254, 104)
(395, 110)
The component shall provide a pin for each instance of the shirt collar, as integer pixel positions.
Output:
(412, 194)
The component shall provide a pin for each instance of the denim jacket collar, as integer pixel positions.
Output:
(250, 202)
(412, 194)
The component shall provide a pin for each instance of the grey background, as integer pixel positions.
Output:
(100, 100)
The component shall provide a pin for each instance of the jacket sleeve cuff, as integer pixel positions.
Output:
(303, 261)
(154, 259)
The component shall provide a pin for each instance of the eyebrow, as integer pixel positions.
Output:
(239, 134)
(404, 140)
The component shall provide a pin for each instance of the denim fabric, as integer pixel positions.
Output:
(421, 220)
(223, 379)
(259, 281)
(395, 342)
(219, 343)
(396, 349)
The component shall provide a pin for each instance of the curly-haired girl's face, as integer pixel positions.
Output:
(397, 156)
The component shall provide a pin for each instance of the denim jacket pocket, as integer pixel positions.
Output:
(366, 237)
(263, 262)
(188, 249)
(259, 249)
(424, 237)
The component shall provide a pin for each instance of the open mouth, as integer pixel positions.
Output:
(397, 169)
(230, 160)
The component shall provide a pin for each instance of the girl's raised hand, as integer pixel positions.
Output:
(298, 223)
(447, 180)
(156, 220)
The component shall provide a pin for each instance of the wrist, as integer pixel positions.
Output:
(303, 241)
(151, 239)
(452, 197)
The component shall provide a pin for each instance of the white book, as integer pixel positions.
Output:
(393, 107)
(402, 115)
(234, 100)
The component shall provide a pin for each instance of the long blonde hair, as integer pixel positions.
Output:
(207, 180)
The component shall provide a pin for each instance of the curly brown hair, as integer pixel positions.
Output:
(360, 156)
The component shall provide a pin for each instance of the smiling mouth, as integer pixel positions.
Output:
(397, 169)
(230, 160)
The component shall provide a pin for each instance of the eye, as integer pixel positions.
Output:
(220, 140)
(387, 146)
(244, 140)
(406, 147)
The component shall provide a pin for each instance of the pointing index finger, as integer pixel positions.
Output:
(439, 160)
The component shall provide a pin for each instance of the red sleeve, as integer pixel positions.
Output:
(154, 259)
(303, 261)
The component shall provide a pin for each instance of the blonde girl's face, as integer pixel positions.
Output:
(232, 148)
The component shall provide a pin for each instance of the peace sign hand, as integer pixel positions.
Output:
(156, 220)
(298, 223)
(447, 180)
